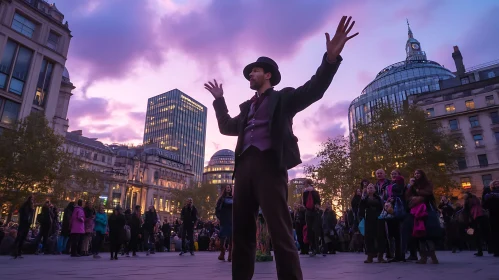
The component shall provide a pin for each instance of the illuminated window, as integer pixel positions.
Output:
(449, 108)
(430, 112)
(478, 138)
(489, 100)
(466, 183)
(470, 104)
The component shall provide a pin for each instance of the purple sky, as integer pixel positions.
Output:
(124, 52)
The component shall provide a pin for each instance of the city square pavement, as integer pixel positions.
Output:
(204, 265)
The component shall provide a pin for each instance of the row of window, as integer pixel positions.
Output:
(9, 110)
(27, 27)
(470, 104)
(482, 161)
(474, 121)
(466, 181)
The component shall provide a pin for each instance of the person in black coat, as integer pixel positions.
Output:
(45, 219)
(189, 217)
(329, 222)
(491, 203)
(167, 233)
(150, 227)
(371, 206)
(135, 223)
(299, 224)
(311, 201)
(117, 232)
(26, 213)
(66, 228)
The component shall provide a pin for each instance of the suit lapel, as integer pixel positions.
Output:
(273, 99)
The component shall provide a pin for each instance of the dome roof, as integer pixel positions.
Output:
(65, 74)
(224, 156)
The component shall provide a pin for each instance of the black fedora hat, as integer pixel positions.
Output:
(268, 65)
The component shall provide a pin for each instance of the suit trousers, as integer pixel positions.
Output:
(260, 183)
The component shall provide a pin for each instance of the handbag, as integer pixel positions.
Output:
(362, 227)
(432, 223)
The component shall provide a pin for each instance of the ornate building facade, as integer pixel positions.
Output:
(34, 44)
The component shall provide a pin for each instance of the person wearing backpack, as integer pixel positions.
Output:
(312, 202)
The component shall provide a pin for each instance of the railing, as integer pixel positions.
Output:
(483, 65)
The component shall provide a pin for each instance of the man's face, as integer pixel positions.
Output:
(380, 174)
(258, 77)
(189, 202)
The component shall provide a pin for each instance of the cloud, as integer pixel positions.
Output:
(332, 131)
(94, 107)
(120, 134)
(223, 29)
(110, 37)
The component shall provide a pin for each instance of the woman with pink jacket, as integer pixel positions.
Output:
(77, 225)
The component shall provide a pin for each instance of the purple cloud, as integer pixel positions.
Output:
(224, 28)
(121, 134)
(95, 107)
(337, 129)
(110, 37)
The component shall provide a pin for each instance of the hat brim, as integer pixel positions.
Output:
(276, 75)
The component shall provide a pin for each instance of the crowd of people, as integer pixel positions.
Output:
(389, 218)
(386, 220)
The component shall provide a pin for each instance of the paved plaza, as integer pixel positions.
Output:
(204, 265)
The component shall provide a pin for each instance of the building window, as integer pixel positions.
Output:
(466, 183)
(470, 104)
(95, 156)
(53, 40)
(478, 140)
(461, 163)
(494, 117)
(474, 121)
(465, 81)
(23, 25)
(103, 158)
(42, 87)
(453, 124)
(491, 75)
(496, 134)
(430, 112)
(489, 100)
(14, 67)
(483, 161)
(10, 111)
(449, 108)
(486, 179)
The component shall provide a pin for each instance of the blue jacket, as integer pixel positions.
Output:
(100, 222)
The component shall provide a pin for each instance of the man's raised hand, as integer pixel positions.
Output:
(215, 89)
(335, 46)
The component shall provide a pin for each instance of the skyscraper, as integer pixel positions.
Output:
(176, 122)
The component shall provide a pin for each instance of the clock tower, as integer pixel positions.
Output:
(413, 47)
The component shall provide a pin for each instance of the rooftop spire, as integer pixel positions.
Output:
(409, 32)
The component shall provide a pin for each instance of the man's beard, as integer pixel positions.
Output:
(255, 85)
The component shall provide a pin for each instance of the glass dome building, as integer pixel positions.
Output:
(220, 168)
(392, 85)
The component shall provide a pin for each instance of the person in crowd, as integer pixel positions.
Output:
(8, 241)
(312, 201)
(447, 211)
(355, 204)
(45, 219)
(149, 229)
(370, 208)
(65, 228)
(408, 241)
(189, 217)
(328, 226)
(2, 232)
(395, 196)
(135, 222)
(381, 183)
(77, 229)
(421, 203)
(26, 213)
(223, 212)
(474, 211)
(491, 203)
(89, 227)
(117, 224)
(299, 224)
(100, 228)
(167, 234)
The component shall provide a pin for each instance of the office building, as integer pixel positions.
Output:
(392, 85)
(176, 122)
(467, 107)
(220, 169)
(34, 45)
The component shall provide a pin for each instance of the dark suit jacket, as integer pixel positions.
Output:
(283, 106)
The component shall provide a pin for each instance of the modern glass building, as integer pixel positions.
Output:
(392, 85)
(177, 122)
(220, 168)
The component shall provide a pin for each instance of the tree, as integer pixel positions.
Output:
(333, 175)
(204, 197)
(30, 153)
(406, 141)
(294, 194)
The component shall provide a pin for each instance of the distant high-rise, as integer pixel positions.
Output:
(176, 122)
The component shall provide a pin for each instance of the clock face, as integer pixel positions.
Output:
(415, 46)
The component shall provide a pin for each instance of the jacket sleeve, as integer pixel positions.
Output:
(226, 124)
(81, 215)
(314, 89)
(217, 208)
